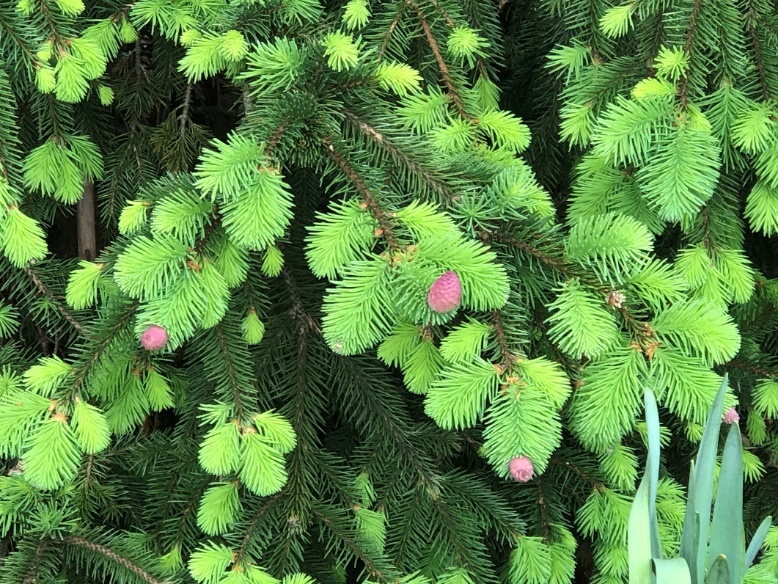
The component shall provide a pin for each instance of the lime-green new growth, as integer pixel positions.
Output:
(712, 552)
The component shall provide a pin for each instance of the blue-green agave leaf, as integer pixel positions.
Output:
(691, 525)
(719, 573)
(673, 571)
(727, 537)
(705, 470)
(756, 543)
(652, 469)
(639, 536)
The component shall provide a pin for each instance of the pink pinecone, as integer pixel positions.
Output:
(446, 293)
(731, 416)
(153, 338)
(522, 469)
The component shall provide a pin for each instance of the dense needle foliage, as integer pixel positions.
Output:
(279, 184)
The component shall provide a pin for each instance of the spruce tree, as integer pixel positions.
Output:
(376, 288)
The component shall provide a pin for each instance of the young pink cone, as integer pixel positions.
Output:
(153, 338)
(731, 416)
(522, 469)
(446, 293)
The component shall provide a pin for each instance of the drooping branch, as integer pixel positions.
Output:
(367, 197)
(442, 67)
(390, 31)
(44, 290)
(352, 544)
(31, 577)
(558, 264)
(425, 174)
(269, 504)
(742, 365)
(687, 48)
(751, 20)
(113, 556)
(233, 377)
(83, 370)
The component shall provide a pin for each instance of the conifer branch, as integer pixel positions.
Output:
(43, 290)
(688, 46)
(367, 197)
(390, 425)
(140, 71)
(463, 551)
(55, 35)
(298, 310)
(247, 104)
(390, 31)
(233, 379)
(705, 214)
(113, 556)
(31, 577)
(593, 483)
(442, 67)
(545, 523)
(355, 548)
(435, 184)
(269, 504)
(52, 104)
(88, 474)
(574, 369)
(406, 538)
(189, 509)
(451, 24)
(184, 119)
(84, 369)
(397, 432)
(507, 357)
(558, 264)
(443, 13)
(751, 17)
(739, 364)
(7, 29)
(274, 139)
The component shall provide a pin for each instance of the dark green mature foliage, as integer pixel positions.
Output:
(280, 183)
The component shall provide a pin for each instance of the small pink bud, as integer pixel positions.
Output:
(446, 293)
(731, 416)
(522, 469)
(153, 338)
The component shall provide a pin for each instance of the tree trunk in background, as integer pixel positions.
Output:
(85, 212)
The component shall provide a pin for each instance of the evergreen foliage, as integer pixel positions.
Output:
(279, 183)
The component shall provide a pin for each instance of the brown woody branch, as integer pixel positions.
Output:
(506, 356)
(275, 139)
